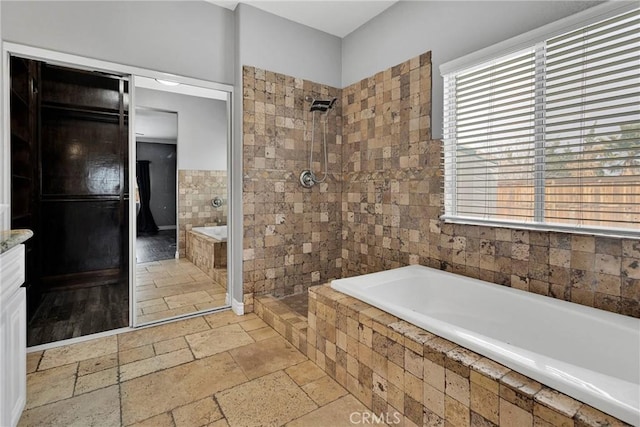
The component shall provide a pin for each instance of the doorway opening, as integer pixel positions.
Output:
(156, 184)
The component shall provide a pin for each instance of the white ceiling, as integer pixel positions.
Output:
(334, 17)
(156, 126)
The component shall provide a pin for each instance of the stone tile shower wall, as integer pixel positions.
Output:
(392, 199)
(291, 234)
(196, 190)
(391, 174)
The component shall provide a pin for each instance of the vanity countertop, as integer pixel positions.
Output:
(11, 238)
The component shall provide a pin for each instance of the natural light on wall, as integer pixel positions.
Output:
(549, 136)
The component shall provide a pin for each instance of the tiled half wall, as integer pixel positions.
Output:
(387, 200)
(196, 190)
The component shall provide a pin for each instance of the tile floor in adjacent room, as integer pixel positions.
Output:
(174, 287)
(157, 246)
(213, 370)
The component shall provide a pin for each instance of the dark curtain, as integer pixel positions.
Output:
(146, 223)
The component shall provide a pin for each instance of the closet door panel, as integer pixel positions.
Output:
(80, 157)
(81, 236)
(80, 88)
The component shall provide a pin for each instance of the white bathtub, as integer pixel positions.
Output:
(589, 354)
(219, 232)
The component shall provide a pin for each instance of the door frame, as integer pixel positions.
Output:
(81, 62)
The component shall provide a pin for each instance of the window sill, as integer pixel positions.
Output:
(592, 231)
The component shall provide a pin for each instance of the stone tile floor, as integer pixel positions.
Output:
(213, 370)
(174, 287)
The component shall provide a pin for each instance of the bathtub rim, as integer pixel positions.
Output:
(198, 230)
(622, 409)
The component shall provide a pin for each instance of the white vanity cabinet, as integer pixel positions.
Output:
(13, 332)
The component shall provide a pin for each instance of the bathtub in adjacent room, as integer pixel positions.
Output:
(206, 247)
(589, 354)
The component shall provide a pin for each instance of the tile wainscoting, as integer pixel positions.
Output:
(196, 190)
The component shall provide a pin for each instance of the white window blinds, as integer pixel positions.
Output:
(549, 136)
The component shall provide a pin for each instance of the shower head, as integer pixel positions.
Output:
(322, 105)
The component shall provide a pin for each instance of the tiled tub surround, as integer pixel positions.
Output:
(393, 366)
(196, 190)
(206, 253)
(502, 324)
(291, 234)
(392, 199)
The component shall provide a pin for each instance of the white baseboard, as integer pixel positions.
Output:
(237, 307)
(166, 227)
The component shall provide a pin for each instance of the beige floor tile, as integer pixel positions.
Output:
(344, 412)
(264, 357)
(166, 390)
(100, 408)
(144, 283)
(168, 291)
(161, 333)
(175, 280)
(76, 352)
(215, 341)
(97, 380)
(155, 308)
(227, 317)
(135, 354)
(161, 315)
(162, 420)
(170, 345)
(253, 324)
(324, 390)
(214, 303)
(50, 385)
(154, 268)
(153, 364)
(220, 423)
(200, 413)
(270, 400)
(217, 290)
(305, 372)
(190, 298)
(150, 303)
(33, 359)
(96, 364)
(263, 333)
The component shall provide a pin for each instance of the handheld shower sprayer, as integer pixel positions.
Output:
(307, 177)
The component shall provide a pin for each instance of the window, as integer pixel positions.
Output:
(549, 136)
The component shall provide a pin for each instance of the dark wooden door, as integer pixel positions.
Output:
(83, 161)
